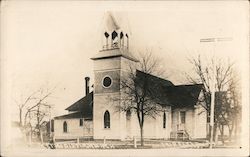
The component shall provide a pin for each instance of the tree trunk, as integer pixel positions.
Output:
(20, 117)
(38, 121)
(215, 130)
(30, 134)
(25, 117)
(215, 136)
(209, 127)
(236, 130)
(222, 134)
(230, 134)
(142, 140)
(209, 132)
(41, 137)
(30, 138)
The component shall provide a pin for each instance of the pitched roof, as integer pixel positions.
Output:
(84, 104)
(153, 79)
(166, 93)
(183, 95)
(87, 115)
(82, 108)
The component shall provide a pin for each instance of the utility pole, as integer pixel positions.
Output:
(213, 87)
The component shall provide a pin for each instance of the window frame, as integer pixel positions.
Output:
(164, 120)
(128, 115)
(110, 80)
(181, 120)
(106, 120)
(65, 127)
(81, 122)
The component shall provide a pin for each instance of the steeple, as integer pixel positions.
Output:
(116, 33)
(115, 37)
(110, 22)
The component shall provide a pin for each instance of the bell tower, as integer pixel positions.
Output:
(115, 36)
(109, 65)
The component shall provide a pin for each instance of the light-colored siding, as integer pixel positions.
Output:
(195, 121)
(200, 122)
(74, 130)
(200, 126)
(153, 128)
(101, 104)
(107, 64)
(189, 120)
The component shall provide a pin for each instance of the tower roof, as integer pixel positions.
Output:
(115, 37)
(116, 21)
(110, 23)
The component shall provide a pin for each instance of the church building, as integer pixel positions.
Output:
(95, 116)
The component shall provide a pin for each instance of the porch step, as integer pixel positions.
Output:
(180, 135)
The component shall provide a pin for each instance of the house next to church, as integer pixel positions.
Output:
(94, 115)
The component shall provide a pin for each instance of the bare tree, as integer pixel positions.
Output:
(22, 105)
(223, 80)
(139, 93)
(35, 109)
(233, 110)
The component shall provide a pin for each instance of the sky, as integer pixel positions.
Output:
(49, 44)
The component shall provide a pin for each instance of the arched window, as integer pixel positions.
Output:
(128, 115)
(127, 41)
(106, 34)
(121, 35)
(81, 122)
(106, 119)
(164, 120)
(65, 126)
(121, 39)
(114, 35)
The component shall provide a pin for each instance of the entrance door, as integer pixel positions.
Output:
(182, 120)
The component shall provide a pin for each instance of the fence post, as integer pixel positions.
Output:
(135, 146)
(30, 138)
(53, 139)
(104, 140)
(41, 136)
(77, 140)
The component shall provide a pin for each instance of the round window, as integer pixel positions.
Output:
(107, 81)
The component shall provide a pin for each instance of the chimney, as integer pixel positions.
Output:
(87, 85)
